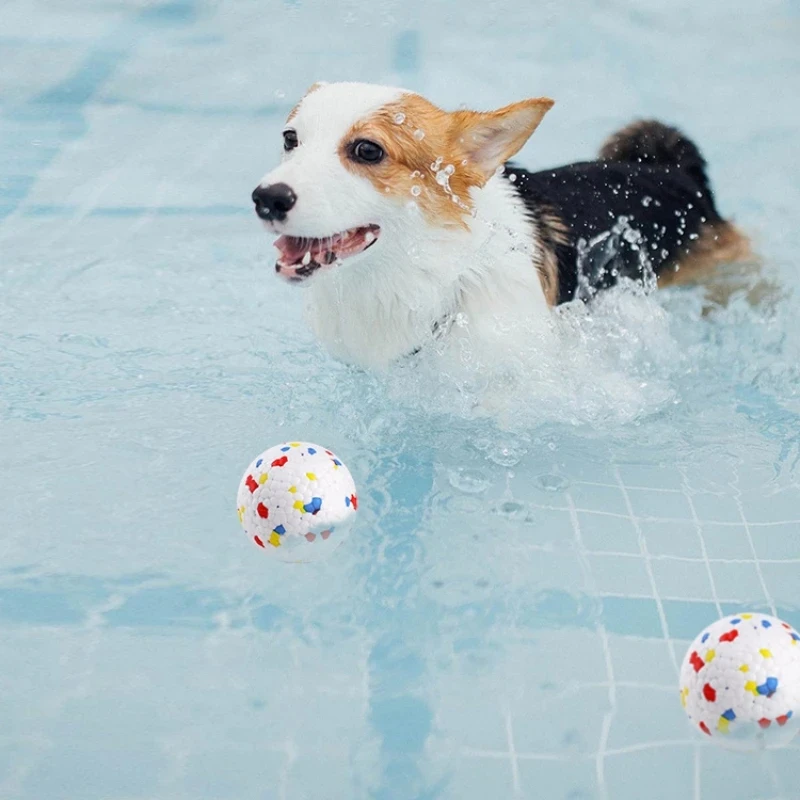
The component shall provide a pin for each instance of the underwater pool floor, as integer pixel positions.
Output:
(509, 615)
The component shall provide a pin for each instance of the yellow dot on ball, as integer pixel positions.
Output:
(311, 476)
(274, 539)
(240, 511)
(710, 656)
(263, 479)
(744, 668)
(292, 489)
(766, 653)
(751, 686)
(298, 505)
(723, 725)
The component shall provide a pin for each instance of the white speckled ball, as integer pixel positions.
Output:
(740, 681)
(297, 501)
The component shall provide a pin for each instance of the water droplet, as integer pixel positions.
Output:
(280, 93)
(513, 177)
(500, 170)
(419, 134)
(399, 118)
(416, 191)
(646, 200)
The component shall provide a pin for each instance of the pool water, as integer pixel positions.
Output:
(508, 617)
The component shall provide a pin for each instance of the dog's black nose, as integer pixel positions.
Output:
(274, 202)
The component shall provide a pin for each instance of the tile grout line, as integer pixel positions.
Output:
(699, 528)
(649, 569)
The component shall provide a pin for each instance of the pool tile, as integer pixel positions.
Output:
(613, 574)
(666, 505)
(641, 660)
(575, 727)
(777, 541)
(638, 706)
(682, 579)
(644, 476)
(726, 541)
(715, 508)
(738, 583)
(686, 619)
(664, 773)
(574, 779)
(631, 616)
(594, 497)
(671, 538)
(602, 532)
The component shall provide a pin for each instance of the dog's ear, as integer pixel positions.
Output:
(488, 140)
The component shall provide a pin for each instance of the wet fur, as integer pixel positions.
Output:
(491, 251)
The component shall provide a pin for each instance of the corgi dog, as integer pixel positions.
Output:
(410, 224)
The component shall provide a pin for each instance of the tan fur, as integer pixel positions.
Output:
(553, 231)
(490, 139)
(456, 140)
(717, 244)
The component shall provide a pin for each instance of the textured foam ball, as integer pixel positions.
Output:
(297, 501)
(740, 681)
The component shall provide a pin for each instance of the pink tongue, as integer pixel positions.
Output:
(294, 248)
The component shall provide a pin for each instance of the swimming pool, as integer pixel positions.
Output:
(507, 618)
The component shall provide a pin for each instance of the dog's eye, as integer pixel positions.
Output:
(366, 152)
(290, 140)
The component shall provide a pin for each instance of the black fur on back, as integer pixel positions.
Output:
(653, 142)
(647, 196)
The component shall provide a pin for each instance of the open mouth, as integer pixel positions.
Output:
(299, 257)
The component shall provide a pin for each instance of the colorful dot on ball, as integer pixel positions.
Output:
(743, 692)
(294, 510)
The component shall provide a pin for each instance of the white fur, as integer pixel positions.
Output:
(384, 303)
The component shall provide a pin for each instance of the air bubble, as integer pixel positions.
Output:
(513, 177)
(469, 481)
(552, 483)
(500, 170)
(419, 134)
(399, 118)
(646, 200)
(505, 456)
(416, 191)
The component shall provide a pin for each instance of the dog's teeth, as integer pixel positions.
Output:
(369, 237)
(307, 258)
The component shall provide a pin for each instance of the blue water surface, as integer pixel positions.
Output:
(509, 615)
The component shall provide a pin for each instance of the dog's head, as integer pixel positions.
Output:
(361, 162)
